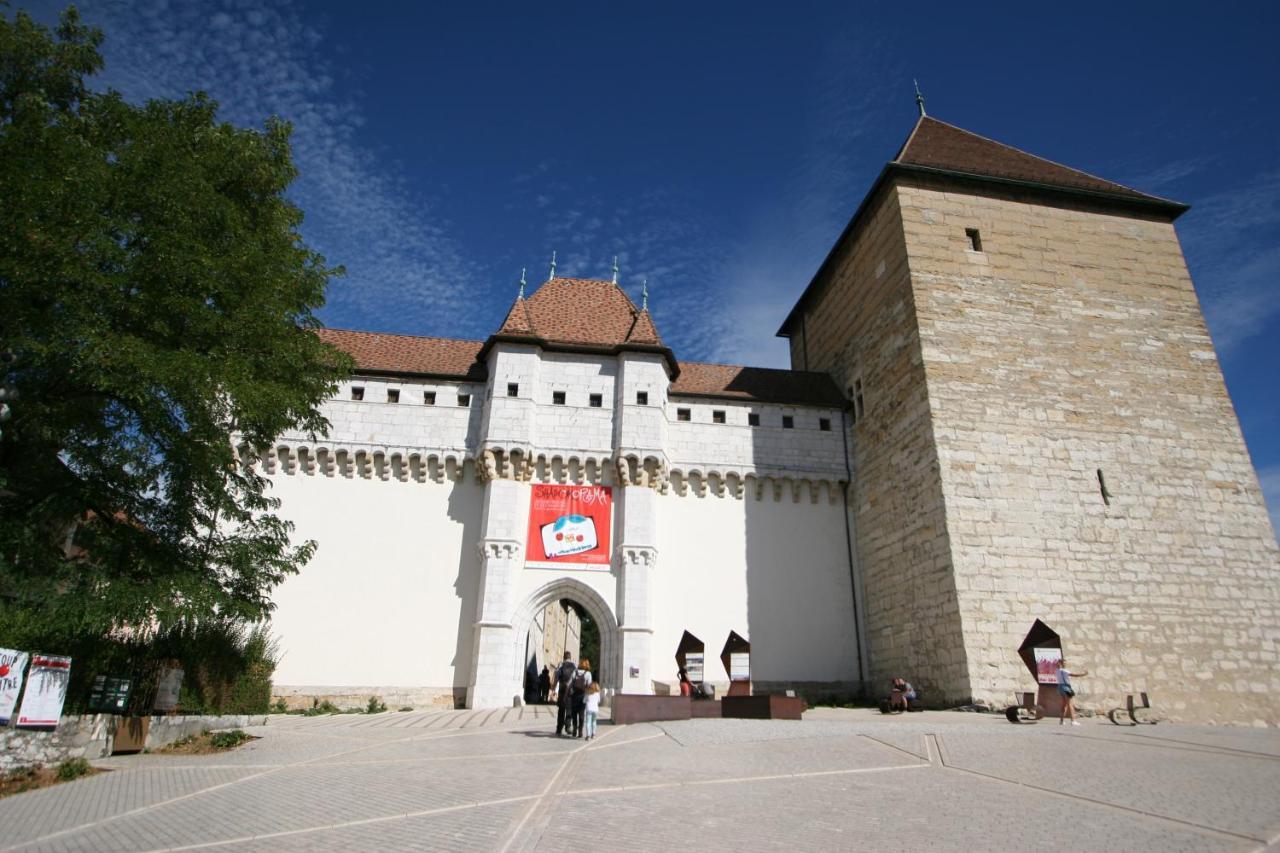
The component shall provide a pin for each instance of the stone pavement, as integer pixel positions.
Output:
(841, 779)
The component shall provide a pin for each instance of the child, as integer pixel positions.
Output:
(592, 708)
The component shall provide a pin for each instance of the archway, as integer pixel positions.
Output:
(608, 667)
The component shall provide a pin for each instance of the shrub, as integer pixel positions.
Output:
(375, 706)
(407, 708)
(73, 768)
(318, 708)
(228, 740)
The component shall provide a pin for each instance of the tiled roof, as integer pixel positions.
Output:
(584, 312)
(447, 357)
(762, 384)
(517, 322)
(643, 331)
(938, 145)
(375, 351)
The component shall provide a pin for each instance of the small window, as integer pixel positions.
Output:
(513, 390)
(753, 419)
(717, 416)
(464, 399)
(788, 422)
(596, 401)
(393, 395)
(642, 398)
(975, 239)
(557, 398)
(357, 393)
(857, 399)
(428, 398)
(824, 424)
(683, 415)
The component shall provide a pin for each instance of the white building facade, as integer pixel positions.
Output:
(720, 505)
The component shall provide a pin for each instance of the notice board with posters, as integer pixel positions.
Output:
(569, 525)
(46, 692)
(12, 664)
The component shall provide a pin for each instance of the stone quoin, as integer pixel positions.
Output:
(1003, 405)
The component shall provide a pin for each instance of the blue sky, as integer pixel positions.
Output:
(717, 149)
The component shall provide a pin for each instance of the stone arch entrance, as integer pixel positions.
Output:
(591, 602)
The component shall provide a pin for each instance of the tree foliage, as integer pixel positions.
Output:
(159, 302)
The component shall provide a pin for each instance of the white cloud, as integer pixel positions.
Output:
(259, 60)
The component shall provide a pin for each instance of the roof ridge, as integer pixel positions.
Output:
(400, 335)
(1024, 152)
(912, 135)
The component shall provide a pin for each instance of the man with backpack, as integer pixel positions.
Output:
(564, 683)
(578, 695)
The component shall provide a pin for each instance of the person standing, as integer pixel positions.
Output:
(1068, 692)
(592, 709)
(564, 680)
(544, 685)
(578, 694)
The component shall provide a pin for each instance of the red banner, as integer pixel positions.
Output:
(570, 524)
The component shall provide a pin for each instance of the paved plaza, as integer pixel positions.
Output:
(841, 779)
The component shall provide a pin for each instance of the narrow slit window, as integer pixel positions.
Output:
(393, 395)
(464, 400)
(788, 422)
(717, 416)
(557, 398)
(513, 389)
(596, 401)
(1102, 489)
(642, 398)
(857, 399)
(428, 398)
(975, 239)
(753, 419)
(357, 393)
(824, 424)
(684, 415)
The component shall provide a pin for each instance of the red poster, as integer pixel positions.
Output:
(569, 524)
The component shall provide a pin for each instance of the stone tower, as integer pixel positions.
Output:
(1041, 431)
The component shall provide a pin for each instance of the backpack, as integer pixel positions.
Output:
(564, 673)
(580, 682)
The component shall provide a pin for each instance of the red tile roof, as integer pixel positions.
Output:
(382, 353)
(643, 331)
(759, 384)
(583, 311)
(375, 352)
(938, 145)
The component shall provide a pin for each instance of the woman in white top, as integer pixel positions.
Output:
(592, 709)
(1068, 692)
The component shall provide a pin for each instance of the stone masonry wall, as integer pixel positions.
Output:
(861, 326)
(1074, 342)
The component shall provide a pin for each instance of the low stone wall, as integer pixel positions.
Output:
(92, 735)
(346, 698)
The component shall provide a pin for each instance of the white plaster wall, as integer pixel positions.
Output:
(409, 423)
(774, 571)
(390, 596)
(702, 444)
(575, 427)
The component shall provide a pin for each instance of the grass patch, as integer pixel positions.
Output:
(207, 743)
(35, 778)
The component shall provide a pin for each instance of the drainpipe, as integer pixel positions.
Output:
(848, 541)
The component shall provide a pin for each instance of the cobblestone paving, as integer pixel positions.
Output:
(499, 781)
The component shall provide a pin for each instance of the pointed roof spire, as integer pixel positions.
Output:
(615, 269)
(644, 295)
(552, 277)
(522, 283)
(919, 98)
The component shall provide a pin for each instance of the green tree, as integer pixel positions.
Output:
(159, 303)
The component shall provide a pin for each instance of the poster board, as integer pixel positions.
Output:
(740, 666)
(569, 525)
(693, 664)
(168, 688)
(46, 692)
(1047, 663)
(109, 695)
(12, 665)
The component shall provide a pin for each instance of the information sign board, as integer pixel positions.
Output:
(46, 692)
